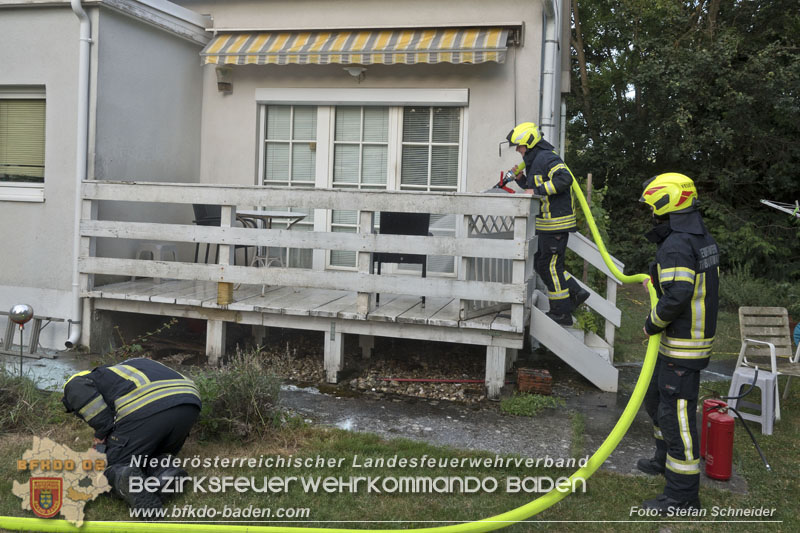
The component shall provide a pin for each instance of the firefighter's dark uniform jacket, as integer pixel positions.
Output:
(550, 178)
(129, 391)
(685, 276)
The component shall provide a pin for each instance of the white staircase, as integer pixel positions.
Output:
(586, 352)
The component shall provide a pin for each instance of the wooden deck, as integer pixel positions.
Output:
(303, 302)
(333, 312)
(487, 300)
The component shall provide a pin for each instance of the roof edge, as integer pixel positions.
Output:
(162, 14)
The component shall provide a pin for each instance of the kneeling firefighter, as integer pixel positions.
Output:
(545, 174)
(137, 408)
(685, 275)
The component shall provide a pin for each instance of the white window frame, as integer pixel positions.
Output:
(23, 192)
(326, 101)
(262, 121)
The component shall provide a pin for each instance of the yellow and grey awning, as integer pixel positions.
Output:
(364, 47)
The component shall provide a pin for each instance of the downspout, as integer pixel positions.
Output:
(550, 82)
(82, 138)
(562, 140)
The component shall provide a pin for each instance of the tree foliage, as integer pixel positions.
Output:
(709, 88)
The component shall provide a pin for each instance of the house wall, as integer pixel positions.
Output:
(39, 47)
(229, 121)
(145, 101)
(148, 118)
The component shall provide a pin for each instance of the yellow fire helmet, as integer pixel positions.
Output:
(669, 193)
(525, 134)
(73, 376)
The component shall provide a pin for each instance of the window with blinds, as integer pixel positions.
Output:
(360, 161)
(414, 148)
(290, 138)
(431, 141)
(430, 158)
(290, 151)
(22, 137)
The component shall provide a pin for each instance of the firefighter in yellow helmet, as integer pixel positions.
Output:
(141, 412)
(545, 174)
(685, 275)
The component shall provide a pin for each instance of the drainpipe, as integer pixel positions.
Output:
(550, 81)
(82, 138)
(563, 132)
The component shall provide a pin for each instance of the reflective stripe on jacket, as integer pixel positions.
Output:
(686, 278)
(131, 390)
(551, 179)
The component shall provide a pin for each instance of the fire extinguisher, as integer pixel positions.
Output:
(719, 442)
(708, 407)
(716, 438)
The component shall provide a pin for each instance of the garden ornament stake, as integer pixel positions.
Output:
(20, 314)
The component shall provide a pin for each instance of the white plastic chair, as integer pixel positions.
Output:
(766, 344)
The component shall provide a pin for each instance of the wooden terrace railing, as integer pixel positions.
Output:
(510, 291)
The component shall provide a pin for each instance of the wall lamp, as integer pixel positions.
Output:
(357, 72)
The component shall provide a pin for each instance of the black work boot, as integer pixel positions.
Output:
(663, 504)
(652, 466)
(579, 297)
(119, 477)
(167, 479)
(563, 320)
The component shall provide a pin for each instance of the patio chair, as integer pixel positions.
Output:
(766, 344)
(402, 224)
(211, 215)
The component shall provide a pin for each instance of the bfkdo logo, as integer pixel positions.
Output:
(46, 495)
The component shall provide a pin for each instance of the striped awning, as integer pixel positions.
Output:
(363, 47)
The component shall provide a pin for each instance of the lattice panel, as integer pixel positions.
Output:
(488, 225)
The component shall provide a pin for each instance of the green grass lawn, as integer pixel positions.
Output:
(605, 506)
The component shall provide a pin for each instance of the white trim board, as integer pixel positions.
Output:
(21, 192)
(364, 97)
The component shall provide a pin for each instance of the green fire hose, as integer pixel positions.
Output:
(488, 524)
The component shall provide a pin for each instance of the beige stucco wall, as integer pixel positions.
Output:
(229, 121)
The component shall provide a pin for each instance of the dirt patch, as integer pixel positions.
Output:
(409, 368)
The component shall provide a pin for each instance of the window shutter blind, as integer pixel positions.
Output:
(22, 139)
(278, 122)
(305, 123)
(445, 124)
(444, 166)
(373, 165)
(304, 163)
(414, 170)
(348, 124)
(345, 163)
(416, 122)
(277, 163)
(376, 124)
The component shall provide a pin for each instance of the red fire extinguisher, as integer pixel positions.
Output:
(719, 428)
(716, 438)
(709, 405)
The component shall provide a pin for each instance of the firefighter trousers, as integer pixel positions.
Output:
(549, 264)
(160, 434)
(671, 402)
